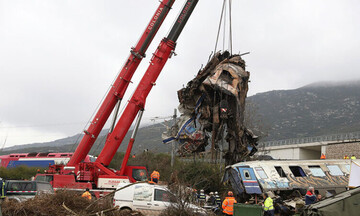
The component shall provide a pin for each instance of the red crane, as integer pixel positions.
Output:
(116, 93)
(137, 101)
(96, 175)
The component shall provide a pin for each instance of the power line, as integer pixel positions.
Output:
(42, 125)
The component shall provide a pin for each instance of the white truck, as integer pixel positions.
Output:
(149, 199)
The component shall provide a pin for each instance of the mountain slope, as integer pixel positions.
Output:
(316, 109)
(148, 137)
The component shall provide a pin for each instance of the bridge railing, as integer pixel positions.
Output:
(324, 138)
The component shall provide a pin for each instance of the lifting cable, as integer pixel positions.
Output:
(222, 23)
(226, 7)
(230, 28)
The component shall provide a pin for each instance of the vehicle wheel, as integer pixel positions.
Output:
(14, 200)
(125, 211)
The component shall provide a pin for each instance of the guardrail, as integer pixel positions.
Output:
(207, 160)
(325, 138)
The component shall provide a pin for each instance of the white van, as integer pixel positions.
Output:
(149, 199)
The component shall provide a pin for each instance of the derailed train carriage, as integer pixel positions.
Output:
(286, 177)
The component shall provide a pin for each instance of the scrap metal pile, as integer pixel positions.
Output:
(212, 108)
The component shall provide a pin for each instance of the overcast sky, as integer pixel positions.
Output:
(58, 58)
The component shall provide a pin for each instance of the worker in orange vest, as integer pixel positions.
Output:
(86, 194)
(323, 156)
(155, 176)
(346, 157)
(228, 204)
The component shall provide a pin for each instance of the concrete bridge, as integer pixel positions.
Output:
(334, 146)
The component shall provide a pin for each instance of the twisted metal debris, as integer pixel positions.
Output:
(212, 109)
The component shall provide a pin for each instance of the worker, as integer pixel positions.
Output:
(195, 195)
(211, 201)
(217, 198)
(228, 204)
(346, 157)
(269, 209)
(3, 193)
(353, 157)
(86, 194)
(201, 197)
(142, 174)
(310, 197)
(323, 156)
(133, 156)
(155, 176)
(318, 198)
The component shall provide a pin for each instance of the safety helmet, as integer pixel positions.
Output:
(202, 190)
(216, 193)
(211, 193)
(230, 193)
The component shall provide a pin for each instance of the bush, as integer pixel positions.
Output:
(200, 175)
(19, 173)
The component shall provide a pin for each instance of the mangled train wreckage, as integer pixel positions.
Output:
(285, 177)
(212, 109)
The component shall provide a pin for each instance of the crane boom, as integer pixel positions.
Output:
(78, 174)
(117, 91)
(137, 101)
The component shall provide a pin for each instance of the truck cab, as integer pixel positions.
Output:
(21, 190)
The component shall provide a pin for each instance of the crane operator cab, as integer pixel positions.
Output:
(139, 174)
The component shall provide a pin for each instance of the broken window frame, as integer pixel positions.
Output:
(330, 193)
(261, 172)
(226, 77)
(280, 171)
(297, 171)
(247, 174)
(317, 171)
(335, 170)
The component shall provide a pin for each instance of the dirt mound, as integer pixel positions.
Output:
(61, 203)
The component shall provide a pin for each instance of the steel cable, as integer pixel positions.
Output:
(226, 8)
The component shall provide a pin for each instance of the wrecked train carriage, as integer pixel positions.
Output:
(346, 203)
(213, 104)
(328, 177)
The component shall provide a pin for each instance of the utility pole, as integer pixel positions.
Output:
(173, 142)
(173, 126)
(213, 130)
(3, 145)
